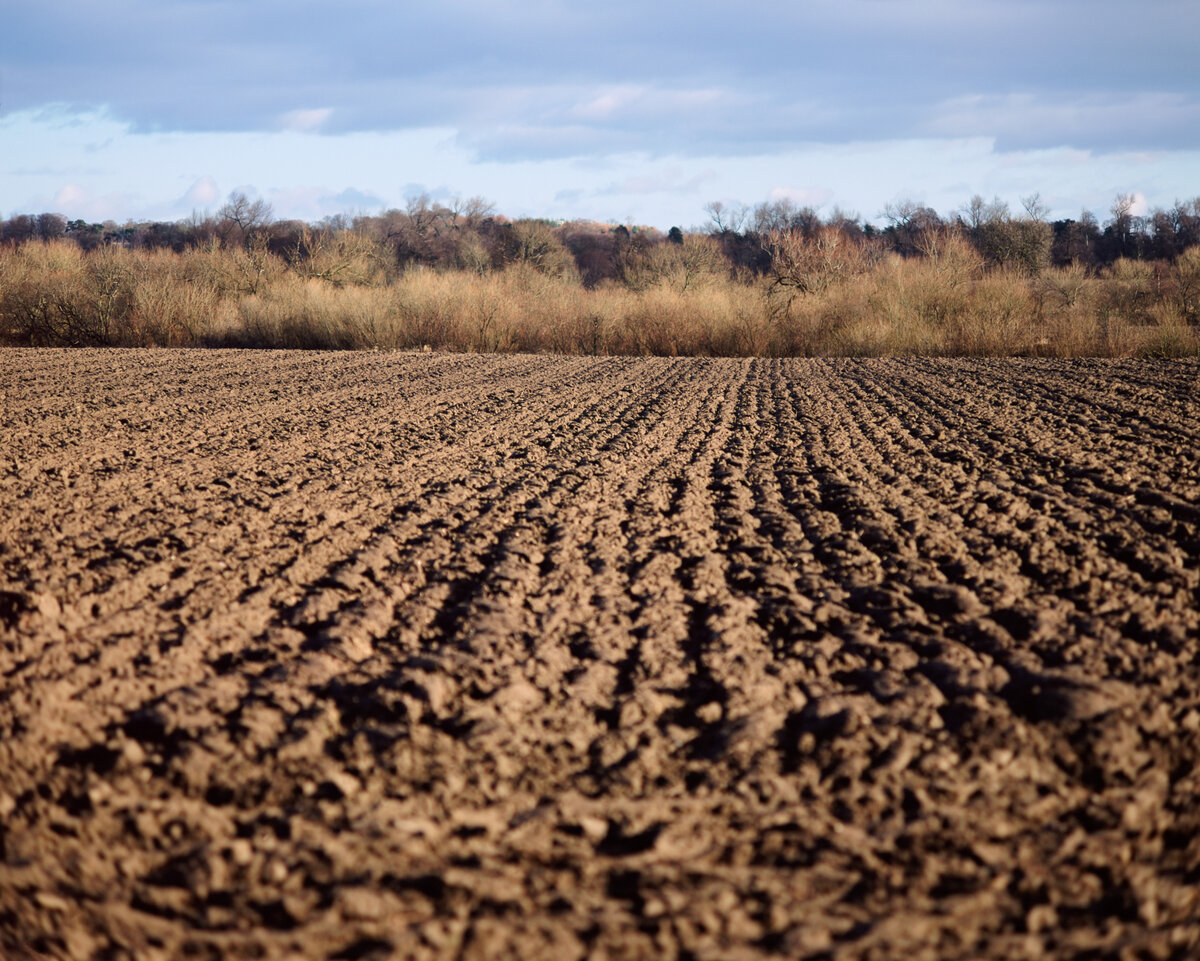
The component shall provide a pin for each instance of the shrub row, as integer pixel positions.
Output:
(824, 294)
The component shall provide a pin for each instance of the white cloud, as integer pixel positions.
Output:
(72, 196)
(76, 201)
(803, 196)
(200, 195)
(165, 176)
(671, 179)
(306, 121)
(311, 203)
(605, 105)
(629, 101)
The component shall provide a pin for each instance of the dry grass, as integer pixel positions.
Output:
(676, 299)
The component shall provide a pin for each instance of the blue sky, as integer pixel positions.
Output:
(629, 111)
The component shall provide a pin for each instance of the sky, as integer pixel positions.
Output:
(630, 111)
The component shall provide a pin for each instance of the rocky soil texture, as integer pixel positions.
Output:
(436, 656)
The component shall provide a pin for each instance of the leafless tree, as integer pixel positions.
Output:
(803, 265)
(51, 226)
(535, 243)
(241, 218)
(977, 212)
(726, 218)
(784, 214)
(1035, 207)
(471, 212)
(909, 222)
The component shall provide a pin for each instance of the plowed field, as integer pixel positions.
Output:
(391, 655)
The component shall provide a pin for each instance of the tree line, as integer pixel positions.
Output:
(470, 235)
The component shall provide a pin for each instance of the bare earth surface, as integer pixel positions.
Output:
(382, 655)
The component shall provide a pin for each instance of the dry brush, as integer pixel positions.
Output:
(823, 293)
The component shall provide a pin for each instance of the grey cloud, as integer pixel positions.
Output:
(667, 180)
(1024, 121)
(312, 203)
(354, 199)
(521, 81)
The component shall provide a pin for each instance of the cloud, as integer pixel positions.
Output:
(643, 102)
(1026, 121)
(556, 79)
(312, 203)
(146, 176)
(414, 190)
(72, 196)
(200, 195)
(351, 199)
(665, 180)
(306, 121)
(76, 201)
(803, 196)
(607, 110)
(604, 105)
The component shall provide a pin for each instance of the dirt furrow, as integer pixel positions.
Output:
(433, 656)
(247, 543)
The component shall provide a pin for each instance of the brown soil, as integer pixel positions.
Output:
(380, 655)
